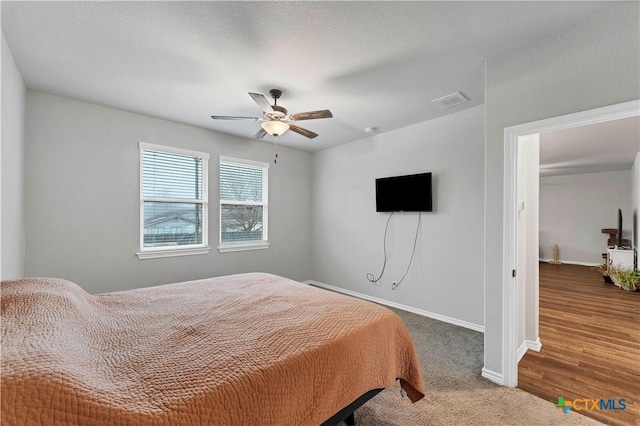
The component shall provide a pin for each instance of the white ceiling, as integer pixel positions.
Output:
(373, 64)
(608, 146)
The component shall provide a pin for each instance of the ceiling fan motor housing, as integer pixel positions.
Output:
(275, 93)
(278, 113)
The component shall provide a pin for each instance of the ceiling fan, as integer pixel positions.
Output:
(276, 119)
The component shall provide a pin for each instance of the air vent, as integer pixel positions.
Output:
(451, 100)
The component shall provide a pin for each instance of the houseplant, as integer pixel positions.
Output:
(628, 279)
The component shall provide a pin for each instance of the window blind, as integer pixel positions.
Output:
(243, 203)
(173, 198)
(168, 175)
(240, 182)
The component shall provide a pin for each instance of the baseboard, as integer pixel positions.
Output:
(417, 311)
(521, 351)
(529, 344)
(534, 346)
(572, 262)
(493, 376)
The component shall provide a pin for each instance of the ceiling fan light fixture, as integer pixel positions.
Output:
(275, 118)
(275, 127)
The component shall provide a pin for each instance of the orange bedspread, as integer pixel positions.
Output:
(248, 349)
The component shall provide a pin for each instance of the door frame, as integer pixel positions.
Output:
(510, 235)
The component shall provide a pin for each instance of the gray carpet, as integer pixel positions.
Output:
(451, 359)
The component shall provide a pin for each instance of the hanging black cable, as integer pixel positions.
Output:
(415, 243)
(370, 276)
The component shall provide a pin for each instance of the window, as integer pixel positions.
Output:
(243, 204)
(173, 201)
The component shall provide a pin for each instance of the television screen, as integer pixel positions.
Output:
(619, 228)
(410, 193)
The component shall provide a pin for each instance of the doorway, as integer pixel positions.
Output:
(514, 243)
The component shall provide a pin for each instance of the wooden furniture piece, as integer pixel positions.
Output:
(613, 237)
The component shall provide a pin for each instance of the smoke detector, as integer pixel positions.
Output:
(451, 100)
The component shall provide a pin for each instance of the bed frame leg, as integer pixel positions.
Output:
(350, 420)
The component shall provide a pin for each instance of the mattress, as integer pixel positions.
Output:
(246, 349)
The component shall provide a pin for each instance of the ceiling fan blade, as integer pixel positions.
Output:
(262, 102)
(303, 132)
(311, 115)
(261, 134)
(232, 117)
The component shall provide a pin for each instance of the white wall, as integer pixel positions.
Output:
(591, 65)
(446, 275)
(635, 202)
(574, 209)
(12, 169)
(82, 198)
(528, 193)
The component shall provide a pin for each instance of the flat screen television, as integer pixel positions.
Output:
(619, 228)
(409, 193)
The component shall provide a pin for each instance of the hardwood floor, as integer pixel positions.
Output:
(590, 334)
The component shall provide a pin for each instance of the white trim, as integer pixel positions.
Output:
(243, 246)
(454, 321)
(511, 135)
(226, 247)
(578, 119)
(493, 376)
(534, 346)
(225, 159)
(174, 200)
(265, 205)
(571, 262)
(522, 350)
(529, 344)
(510, 261)
(172, 149)
(241, 203)
(172, 253)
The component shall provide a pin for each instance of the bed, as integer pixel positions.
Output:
(246, 349)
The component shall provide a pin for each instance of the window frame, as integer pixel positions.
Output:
(226, 247)
(171, 251)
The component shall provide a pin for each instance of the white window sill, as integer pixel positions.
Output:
(253, 245)
(172, 252)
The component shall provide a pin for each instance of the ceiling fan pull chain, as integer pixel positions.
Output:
(275, 159)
